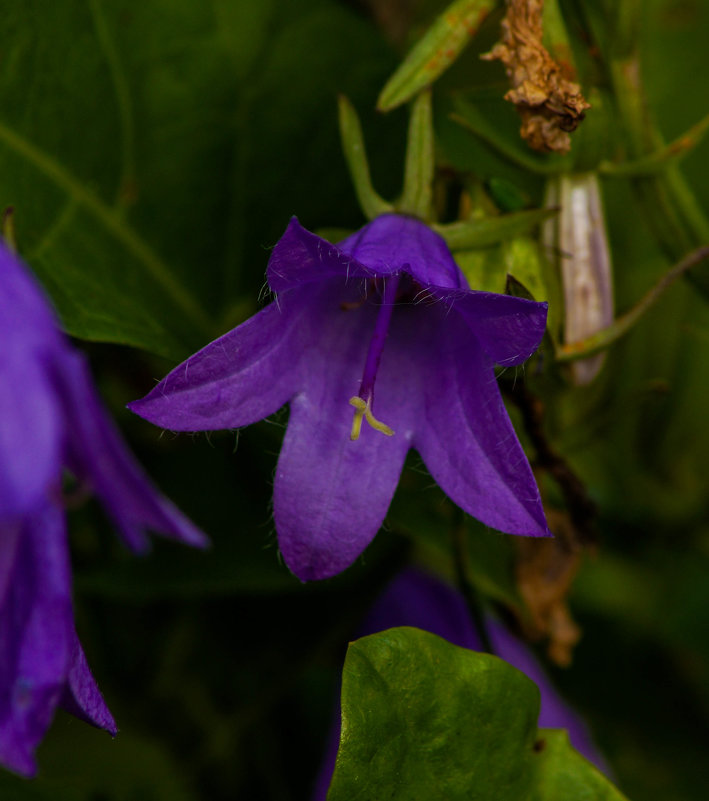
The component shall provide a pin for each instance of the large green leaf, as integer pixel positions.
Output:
(98, 131)
(151, 151)
(424, 719)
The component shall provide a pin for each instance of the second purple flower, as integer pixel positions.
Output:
(379, 346)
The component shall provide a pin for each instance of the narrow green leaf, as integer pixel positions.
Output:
(435, 52)
(355, 155)
(658, 161)
(489, 231)
(418, 172)
(424, 719)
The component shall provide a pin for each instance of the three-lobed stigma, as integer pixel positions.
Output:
(363, 410)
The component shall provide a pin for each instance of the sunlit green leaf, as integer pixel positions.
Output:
(424, 719)
(435, 52)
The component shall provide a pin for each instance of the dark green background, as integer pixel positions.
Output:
(153, 153)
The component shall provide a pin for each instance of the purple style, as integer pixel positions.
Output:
(378, 346)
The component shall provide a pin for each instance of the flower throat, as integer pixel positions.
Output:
(363, 401)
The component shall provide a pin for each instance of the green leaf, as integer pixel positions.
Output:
(424, 719)
(356, 158)
(484, 268)
(147, 168)
(435, 52)
(563, 774)
(80, 174)
(491, 230)
(418, 172)
(526, 263)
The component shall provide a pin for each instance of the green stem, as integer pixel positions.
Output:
(608, 336)
(355, 156)
(487, 231)
(658, 161)
(676, 219)
(419, 168)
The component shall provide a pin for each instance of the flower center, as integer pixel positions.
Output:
(364, 400)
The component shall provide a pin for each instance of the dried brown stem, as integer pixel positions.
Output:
(551, 105)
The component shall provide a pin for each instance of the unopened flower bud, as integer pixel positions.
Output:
(577, 238)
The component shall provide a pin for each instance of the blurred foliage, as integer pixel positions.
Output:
(153, 152)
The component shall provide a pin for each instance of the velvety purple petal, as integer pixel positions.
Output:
(301, 257)
(35, 637)
(419, 599)
(25, 310)
(508, 328)
(241, 377)
(81, 695)
(100, 458)
(393, 242)
(331, 494)
(466, 438)
(9, 543)
(389, 244)
(30, 429)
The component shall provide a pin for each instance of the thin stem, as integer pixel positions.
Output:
(356, 157)
(8, 229)
(582, 510)
(619, 328)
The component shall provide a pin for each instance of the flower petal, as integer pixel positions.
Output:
(467, 440)
(390, 244)
(393, 242)
(508, 328)
(24, 308)
(99, 457)
(301, 257)
(331, 494)
(30, 430)
(35, 637)
(242, 377)
(81, 696)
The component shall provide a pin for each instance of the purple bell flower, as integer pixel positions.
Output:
(383, 322)
(418, 599)
(51, 419)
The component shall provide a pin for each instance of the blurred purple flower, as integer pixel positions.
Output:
(51, 419)
(418, 599)
(387, 306)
